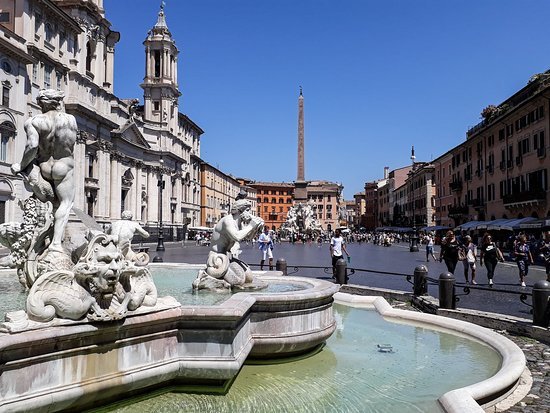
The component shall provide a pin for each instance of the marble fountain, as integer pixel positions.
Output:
(91, 327)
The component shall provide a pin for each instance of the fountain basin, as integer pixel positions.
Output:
(79, 365)
(477, 397)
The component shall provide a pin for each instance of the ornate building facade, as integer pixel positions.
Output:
(127, 154)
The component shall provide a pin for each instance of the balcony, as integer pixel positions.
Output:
(478, 203)
(455, 185)
(91, 183)
(524, 198)
(457, 210)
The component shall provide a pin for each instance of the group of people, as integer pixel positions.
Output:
(454, 250)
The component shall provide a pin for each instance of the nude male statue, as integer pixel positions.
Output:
(48, 160)
(123, 231)
(233, 228)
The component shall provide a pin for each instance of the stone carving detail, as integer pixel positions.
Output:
(102, 286)
(224, 271)
(123, 231)
(100, 280)
(301, 219)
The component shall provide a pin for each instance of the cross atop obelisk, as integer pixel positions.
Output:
(300, 186)
(301, 172)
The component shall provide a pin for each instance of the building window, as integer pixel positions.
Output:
(58, 77)
(156, 105)
(156, 58)
(7, 132)
(88, 57)
(34, 72)
(48, 77)
(6, 95)
(49, 32)
(4, 17)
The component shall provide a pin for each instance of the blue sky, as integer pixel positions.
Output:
(378, 76)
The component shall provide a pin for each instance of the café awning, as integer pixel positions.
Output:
(536, 224)
(471, 225)
(508, 224)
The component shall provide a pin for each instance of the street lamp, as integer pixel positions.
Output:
(160, 243)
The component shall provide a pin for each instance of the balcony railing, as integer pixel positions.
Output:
(525, 196)
(455, 185)
(91, 183)
(478, 203)
(455, 210)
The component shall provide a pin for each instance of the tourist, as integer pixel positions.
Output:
(449, 251)
(545, 252)
(491, 255)
(337, 248)
(523, 257)
(266, 246)
(429, 241)
(471, 257)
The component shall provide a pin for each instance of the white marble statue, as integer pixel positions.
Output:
(100, 280)
(48, 160)
(102, 286)
(123, 231)
(223, 270)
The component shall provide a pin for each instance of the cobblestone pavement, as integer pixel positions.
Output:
(538, 362)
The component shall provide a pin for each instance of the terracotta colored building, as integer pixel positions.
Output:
(274, 200)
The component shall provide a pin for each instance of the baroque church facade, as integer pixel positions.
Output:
(126, 153)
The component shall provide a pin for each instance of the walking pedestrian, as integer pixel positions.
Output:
(490, 255)
(545, 251)
(337, 247)
(266, 246)
(429, 241)
(449, 251)
(523, 256)
(471, 257)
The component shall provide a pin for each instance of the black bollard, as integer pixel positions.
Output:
(447, 291)
(280, 265)
(541, 294)
(341, 271)
(420, 286)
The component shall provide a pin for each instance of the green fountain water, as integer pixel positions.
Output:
(350, 374)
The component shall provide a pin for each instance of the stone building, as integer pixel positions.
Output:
(420, 206)
(274, 200)
(126, 154)
(501, 170)
(328, 204)
(218, 191)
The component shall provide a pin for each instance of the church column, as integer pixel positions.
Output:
(103, 198)
(115, 188)
(152, 195)
(79, 174)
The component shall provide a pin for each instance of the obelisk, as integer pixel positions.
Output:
(300, 186)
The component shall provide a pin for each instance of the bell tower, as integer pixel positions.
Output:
(160, 84)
